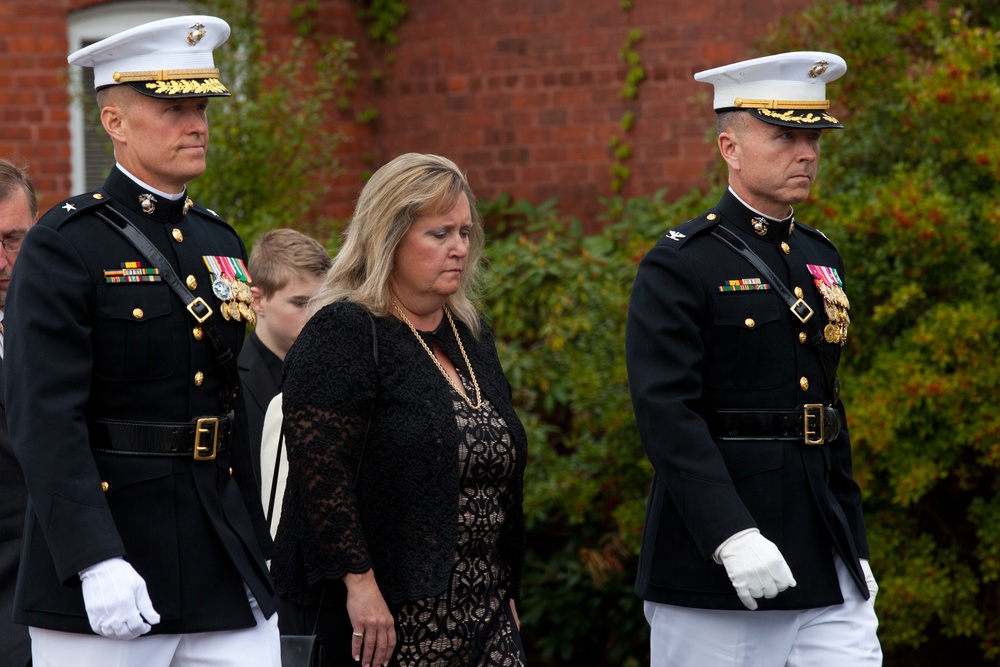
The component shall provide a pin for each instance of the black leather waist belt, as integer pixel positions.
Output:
(811, 424)
(200, 439)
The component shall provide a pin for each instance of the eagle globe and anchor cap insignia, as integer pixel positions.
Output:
(195, 34)
(818, 69)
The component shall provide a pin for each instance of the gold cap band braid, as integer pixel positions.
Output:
(741, 103)
(166, 75)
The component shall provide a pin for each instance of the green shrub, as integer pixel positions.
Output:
(557, 300)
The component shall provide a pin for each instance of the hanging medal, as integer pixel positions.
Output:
(834, 301)
(230, 285)
(242, 296)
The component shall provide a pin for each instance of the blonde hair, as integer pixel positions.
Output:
(402, 191)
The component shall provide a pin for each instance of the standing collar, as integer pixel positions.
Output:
(751, 221)
(126, 191)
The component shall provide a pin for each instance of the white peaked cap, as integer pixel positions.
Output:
(167, 58)
(784, 89)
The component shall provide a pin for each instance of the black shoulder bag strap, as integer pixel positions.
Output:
(800, 309)
(277, 464)
(281, 437)
(199, 310)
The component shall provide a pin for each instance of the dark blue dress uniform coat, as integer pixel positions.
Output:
(15, 645)
(692, 349)
(82, 349)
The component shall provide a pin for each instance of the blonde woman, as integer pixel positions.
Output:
(401, 525)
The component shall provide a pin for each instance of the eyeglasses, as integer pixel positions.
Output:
(12, 244)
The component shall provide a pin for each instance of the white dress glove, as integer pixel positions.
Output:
(869, 579)
(116, 599)
(755, 566)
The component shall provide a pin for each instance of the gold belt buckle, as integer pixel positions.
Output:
(813, 424)
(204, 426)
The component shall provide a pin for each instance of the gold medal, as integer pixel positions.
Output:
(831, 333)
(252, 318)
(234, 311)
(246, 296)
(840, 297)
(224, 309)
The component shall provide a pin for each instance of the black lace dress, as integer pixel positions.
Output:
(470, 624)
(391, 471)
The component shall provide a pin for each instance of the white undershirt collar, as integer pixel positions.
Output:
(769, 217)
(147, 186)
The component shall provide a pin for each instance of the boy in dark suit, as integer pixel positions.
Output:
(287, 266)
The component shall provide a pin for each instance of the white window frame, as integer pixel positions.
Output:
(90, 25)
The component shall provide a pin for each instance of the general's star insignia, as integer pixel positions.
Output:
(69, 207)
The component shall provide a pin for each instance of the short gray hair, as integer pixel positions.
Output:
(14, 179)
(733, 120)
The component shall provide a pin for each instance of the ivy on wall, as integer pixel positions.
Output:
(621, 150)
(381, 20)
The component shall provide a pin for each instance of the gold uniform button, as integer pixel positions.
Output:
(178, 236)
(104, 487)
(803, 337)
(137, 313)
(98, 196)
(750, 323)
(199, 377)
(191, 282)
(804, 383)
(799, 293)
(785, 248)
(711, 216)
(230, 472)
(197, 333)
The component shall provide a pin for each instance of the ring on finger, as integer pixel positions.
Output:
(358, 634)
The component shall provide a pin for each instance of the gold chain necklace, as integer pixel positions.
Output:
(430, 353)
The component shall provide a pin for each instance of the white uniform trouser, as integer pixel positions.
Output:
(258, 646)
(840, 635)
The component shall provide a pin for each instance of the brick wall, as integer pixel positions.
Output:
(522, 94)
(34, 116)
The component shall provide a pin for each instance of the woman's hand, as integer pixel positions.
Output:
(374, 627)
(517, 619)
